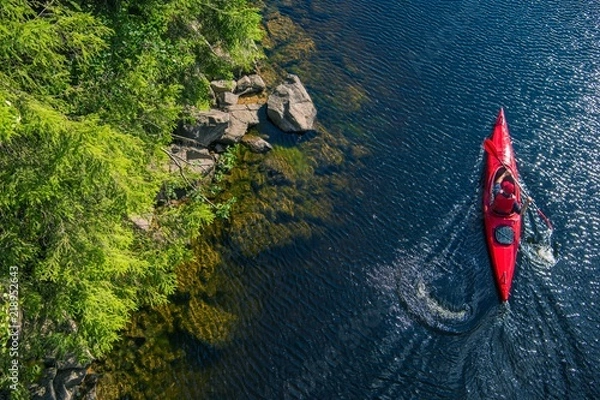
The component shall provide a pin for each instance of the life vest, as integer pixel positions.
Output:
(503, 204)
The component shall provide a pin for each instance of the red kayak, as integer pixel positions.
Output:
(502, 230)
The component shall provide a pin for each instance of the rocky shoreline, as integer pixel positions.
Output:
(202, 135)
(198, 141)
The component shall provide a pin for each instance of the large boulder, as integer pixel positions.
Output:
(205, 126)
(290, 107)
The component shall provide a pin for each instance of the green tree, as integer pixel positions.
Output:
(89, 94)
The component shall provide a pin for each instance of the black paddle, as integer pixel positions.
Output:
(489, 146)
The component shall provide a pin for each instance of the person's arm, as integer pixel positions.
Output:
(528, 201)
(496, 188)
(517, 207)
(501, 177)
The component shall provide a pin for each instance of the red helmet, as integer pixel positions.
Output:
(508, 187)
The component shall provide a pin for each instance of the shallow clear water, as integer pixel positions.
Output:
(397, 301)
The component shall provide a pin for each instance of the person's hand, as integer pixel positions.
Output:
(502, 176)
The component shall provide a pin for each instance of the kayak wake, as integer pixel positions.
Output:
(436, 282)
(537, 243)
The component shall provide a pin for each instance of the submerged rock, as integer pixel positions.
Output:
(290, 107)
(256, 144)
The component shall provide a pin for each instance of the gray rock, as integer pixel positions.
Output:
(290, 107)
(227, 99)
(142, 222)
(60, 381)
(250, 84)
(247, 113)
(66, 381)
(220, 148)
(256, 144)
(195, 154)
(69, 362)
(240, 118)
(192, 159)
(222, 86)
(45, 389)
(88, 388)
(208, 126)
(234, 133)
(202, 163)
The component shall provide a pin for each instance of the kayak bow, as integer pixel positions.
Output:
(502, 232)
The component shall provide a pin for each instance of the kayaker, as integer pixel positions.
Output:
(505, 202)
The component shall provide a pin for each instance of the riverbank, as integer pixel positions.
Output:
(89, 97)
(280, 197)
(115, 259)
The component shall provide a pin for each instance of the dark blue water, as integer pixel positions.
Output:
(397, 301)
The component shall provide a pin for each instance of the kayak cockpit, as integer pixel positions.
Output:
(493, 192)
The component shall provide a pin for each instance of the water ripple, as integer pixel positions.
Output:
(398, 301)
